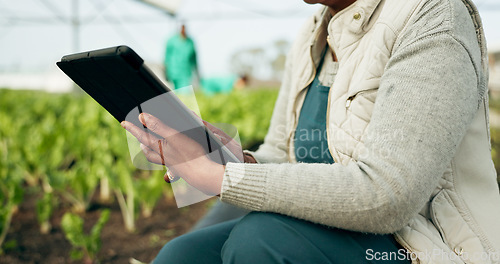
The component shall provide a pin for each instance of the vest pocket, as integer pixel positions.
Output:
(361, 104)
(455, 232)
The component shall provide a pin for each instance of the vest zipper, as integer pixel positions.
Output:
(348, 102)
(334, 55)
(328, 107)
(350, 98)
(296, 117)
(328, 126)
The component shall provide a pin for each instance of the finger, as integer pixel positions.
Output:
(151, 155)
(213, 128)
(144, 137)
(197, 116)
(154, 124)
(221, 135)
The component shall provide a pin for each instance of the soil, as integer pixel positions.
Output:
(118, 246)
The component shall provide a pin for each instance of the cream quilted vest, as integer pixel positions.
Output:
(461, 221)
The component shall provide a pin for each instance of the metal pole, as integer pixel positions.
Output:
(75, 22)
(75, 26)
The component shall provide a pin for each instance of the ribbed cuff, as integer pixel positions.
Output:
(244, 185)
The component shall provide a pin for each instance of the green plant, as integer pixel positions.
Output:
(248, 110)
(78, 185)
(10, 197)
(84, 246)
(495, 149)
(150, 186)
(65, 147)
(125, 193)
(11, 193)
(44, 209)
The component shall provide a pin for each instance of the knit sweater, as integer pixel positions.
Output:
(426, 100)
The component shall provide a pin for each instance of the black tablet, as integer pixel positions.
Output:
(119, 81)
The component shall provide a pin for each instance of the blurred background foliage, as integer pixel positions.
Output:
(495, 132)
(67, 150)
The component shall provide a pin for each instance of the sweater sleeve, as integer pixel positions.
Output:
(427, 98)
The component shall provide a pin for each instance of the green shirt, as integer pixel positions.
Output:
(180, 60)
(311, 145)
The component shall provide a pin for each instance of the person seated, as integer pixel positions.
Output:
(378, 147)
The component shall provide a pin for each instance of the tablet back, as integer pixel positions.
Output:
(115, 77)
(119, 81)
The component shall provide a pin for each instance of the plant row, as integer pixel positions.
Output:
(70, 150)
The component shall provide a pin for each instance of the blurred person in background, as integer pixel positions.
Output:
(223, 84)
(181, 65)
(378, 148)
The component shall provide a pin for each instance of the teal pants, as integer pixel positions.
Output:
(262, 238)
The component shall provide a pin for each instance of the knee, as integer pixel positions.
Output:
(253, 239)
(175, 251)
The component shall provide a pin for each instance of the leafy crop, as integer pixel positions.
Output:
(11, 178)
(248, 110)
(84, 246)
(44, 209)
(65, 147)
